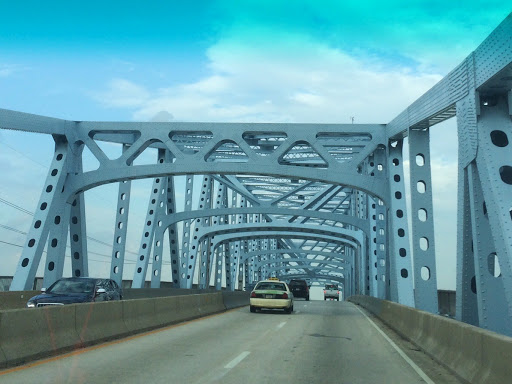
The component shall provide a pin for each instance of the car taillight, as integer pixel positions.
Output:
(253, 294)
(324, 290)
(338, 292)
(285, 295)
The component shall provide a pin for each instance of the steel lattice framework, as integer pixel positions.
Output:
(317, 201)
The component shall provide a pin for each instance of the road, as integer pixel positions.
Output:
(321, 342)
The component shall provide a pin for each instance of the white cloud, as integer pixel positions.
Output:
(7, 70)
(303, 81)
(123, 94)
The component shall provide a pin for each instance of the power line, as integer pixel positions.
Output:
(45, 167)
(13, 229)
(32, 214)
(94, 253)
(16, 207)
(25, 156)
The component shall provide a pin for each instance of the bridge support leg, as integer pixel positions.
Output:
(159, 232)
(56, 250)
(50, 203)
(172, 230)
(489, 179)
(399, 254)
(157, 191)
(423, 244)
(120, 230)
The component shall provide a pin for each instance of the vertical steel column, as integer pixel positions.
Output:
(257, 247)
(365, 262)
(58, 236)
(465, 298)
(78, 236)
(220, 202)
(264, 247)
(233, 252)
(56, 250)
(358, 263)
(423, 243)
(159, 231)
(229, 265)
(381, 229)
(187, 258)
(382, 252)
(493, 309)
(49, 204)
(172, 230)
(372, 218)
(239, 248)
(399, 256)
(148, 232)
(205, 203)
(249, 263)
(77, 227)
(120, 229)
(494, 165)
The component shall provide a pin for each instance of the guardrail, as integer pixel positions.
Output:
(31, 333)
(475, 354)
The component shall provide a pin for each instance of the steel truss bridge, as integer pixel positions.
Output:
(324, 202)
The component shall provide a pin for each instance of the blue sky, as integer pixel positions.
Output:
(252, 61)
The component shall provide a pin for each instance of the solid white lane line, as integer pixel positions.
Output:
(233, 363)
(400, 352)
(281, 325)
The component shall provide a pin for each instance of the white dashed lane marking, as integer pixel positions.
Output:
(281, 325)
(233, 363)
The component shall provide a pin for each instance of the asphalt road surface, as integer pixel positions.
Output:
(321, 342)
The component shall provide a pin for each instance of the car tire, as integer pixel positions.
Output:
(307, 298)
(252, 308)
(325, 298)
(338, 299)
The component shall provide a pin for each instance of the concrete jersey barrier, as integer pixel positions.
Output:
(235, 299)
(475, 354)
(31, 333)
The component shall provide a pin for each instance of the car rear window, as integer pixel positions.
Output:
(271, 286)
(331, 287)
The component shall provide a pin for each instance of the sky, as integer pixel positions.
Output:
(232, 61)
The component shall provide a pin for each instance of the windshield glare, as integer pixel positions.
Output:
(70, 286)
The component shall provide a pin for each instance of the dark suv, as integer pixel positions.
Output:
(77, 290)
(299, 288)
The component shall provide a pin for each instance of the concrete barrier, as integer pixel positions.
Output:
(211, 303)
(30, 333)
(96, 322)
(140, 315)
(167, 310)
(27, 334)
(15, 299)
(235, 299)
(475, 354)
